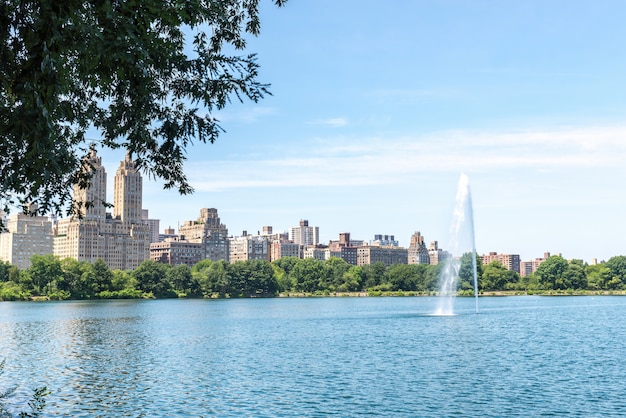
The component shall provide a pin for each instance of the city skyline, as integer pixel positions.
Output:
(376, 111)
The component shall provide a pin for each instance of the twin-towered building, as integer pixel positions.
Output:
(121, 239)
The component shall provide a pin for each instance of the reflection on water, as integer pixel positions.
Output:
(302, 357)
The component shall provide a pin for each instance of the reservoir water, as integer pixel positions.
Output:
(388, 357)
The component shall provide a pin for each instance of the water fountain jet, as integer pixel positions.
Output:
(460, 242)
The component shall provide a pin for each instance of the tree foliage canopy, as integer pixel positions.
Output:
(497, 277)
(550, 273)
(51, 278)
(147, 74)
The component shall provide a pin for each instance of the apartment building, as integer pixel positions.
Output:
(304, 234)
(417, 251)
(435, 254)
(317, 252)
(384, 240)
(529, 267)
(280, 249)
(209, 231)
(25, 236)
(510, 261)
(386, 255)
(249, 247)
(175, 251)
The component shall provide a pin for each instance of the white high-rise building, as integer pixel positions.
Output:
(25, 236)
(154, 225)
(127, 193)
(90, 202)
(305, 234)
(249, 247)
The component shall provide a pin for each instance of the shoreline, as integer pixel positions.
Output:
(365, 294)
(496, 293)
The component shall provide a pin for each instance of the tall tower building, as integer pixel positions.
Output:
(305, 234)
(418, 253)
(90, 201)
(128, 189)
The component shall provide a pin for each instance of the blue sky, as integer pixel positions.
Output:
(378, 107)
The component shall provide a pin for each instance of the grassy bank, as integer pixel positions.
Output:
(400, 293)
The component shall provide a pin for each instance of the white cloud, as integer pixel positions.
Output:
(332, 122)
(342, 161)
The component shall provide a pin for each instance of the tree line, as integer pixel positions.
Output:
(52, 278)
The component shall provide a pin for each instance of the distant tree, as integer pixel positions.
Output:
(12, 291)
(87, 282)
(497, 277)
(151, 278)
(14, 274)
(148, 75)
(598, 276)
(352, 279)
(122, 280)
(574, 277)
(404, 276)
(432, 277)
(334, 269)
(260, 278)
(617, 266)
(374, 275)
(213, 279)
(282, 270)
(306, 275)
(466, 271)
(550, 273)
(103, 277)
(530, 282)
(282, 279)
(200, 266)
(182, 281)
(43, 270)
(239, 278)
(74, 278)
(286, 263)
(4, 271)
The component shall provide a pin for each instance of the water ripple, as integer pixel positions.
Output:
(343, 357)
